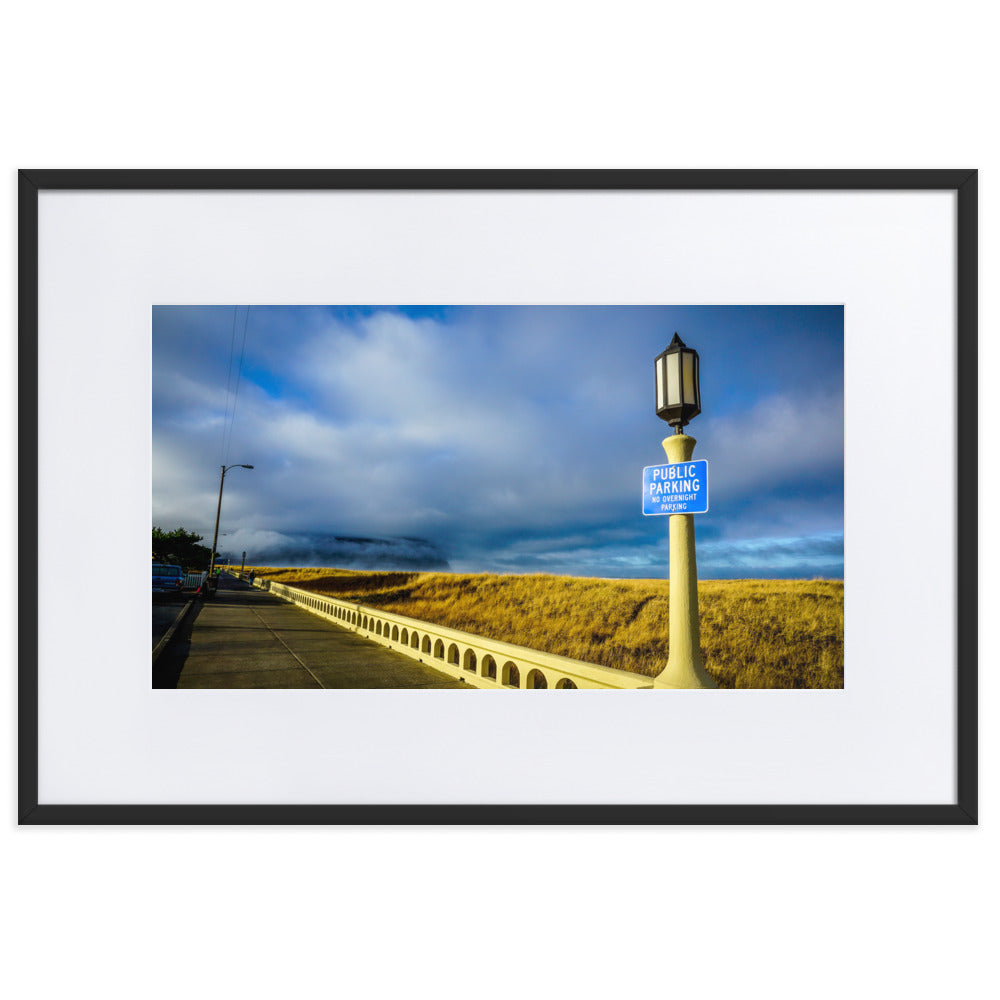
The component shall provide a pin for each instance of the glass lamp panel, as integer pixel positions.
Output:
(673, 379)
(660, 397)
(697, 383)
(687, 369)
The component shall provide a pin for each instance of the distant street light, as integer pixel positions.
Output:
(218, 511)
(678, 401)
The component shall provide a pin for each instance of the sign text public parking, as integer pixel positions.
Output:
(677, 488)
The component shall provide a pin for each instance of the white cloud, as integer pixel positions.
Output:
(782, 439)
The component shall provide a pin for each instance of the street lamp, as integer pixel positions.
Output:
(218, 511)
(678, 395)
(678, 401)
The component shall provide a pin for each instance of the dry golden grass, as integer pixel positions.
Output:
(754, 633)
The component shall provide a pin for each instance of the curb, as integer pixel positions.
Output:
(169, 634)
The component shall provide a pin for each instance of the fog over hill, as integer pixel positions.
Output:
(273, 548)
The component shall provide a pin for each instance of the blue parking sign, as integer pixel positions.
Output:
(677, 488)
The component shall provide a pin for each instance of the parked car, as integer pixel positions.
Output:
(167, 579)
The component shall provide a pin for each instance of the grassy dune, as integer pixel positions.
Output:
(754, 633)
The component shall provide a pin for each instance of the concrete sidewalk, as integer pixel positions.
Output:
(246, 638)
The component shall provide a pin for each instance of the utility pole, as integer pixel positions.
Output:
(218, 511)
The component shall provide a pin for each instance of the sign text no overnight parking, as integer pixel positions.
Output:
(677, 488)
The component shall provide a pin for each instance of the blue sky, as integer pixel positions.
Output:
(510, 438)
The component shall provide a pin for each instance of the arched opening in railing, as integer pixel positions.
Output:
(439, 649)
(469, 661)
(564, 684)
(354, 618)
(489, 668)
(425, 646)
(404, 637)
(415, 640)
(453, 654)
(535, 680)
(510, 675)
(395, 633)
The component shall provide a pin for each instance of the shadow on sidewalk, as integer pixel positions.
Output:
(167, 669)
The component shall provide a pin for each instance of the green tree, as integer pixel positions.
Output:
(180, 548)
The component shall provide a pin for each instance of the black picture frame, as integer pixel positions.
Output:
(962, 182)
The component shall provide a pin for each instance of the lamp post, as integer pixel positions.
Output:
(678, 401)
(218, 511)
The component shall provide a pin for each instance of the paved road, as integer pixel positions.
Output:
(245, 638)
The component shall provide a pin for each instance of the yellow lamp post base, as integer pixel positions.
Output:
(689, 676)
(684, 668)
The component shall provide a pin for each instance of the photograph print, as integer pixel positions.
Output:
(498, 497)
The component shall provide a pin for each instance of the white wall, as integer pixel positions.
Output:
(495, 912)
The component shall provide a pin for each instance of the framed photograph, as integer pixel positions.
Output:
(698, 447)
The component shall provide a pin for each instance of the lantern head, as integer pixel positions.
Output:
(678, 395)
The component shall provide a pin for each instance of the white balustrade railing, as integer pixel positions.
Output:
(480, 662)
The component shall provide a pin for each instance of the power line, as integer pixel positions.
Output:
(236, 394)
(229, 380)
